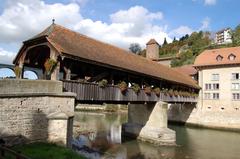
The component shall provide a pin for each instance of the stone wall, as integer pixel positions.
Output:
(11, 86)
(191, 114)
(24, 117)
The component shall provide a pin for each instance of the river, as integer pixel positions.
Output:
(98, 135)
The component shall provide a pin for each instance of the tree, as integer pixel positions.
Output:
(174, 39)
(135, 48)
(236, 36)
(165, 42)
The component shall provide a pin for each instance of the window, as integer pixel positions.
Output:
(231, 57)
(219, 58)
(215, 86)
(207, 95)
(215, 95)
(235, 76)
(236, 96)
(215, 77)
(235, 86)
(208, 86)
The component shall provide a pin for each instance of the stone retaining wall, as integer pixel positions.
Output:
(24, 117)
(190, 114)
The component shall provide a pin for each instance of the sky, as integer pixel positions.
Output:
(118, 22)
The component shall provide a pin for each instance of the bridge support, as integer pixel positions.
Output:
(148, 122)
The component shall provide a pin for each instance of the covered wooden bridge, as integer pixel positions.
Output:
(99, 72)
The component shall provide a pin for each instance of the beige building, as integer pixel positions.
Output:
(219, 98)
(218, 72)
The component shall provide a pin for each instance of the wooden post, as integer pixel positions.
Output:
(21, 69)
(68, 74)
(55, 73)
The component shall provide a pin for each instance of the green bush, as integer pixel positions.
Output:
(123, 86)
(103, 83)
(136, 88)
(46, 151)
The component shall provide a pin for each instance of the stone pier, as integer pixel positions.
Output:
(148, 122)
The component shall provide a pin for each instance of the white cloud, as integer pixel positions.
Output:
(210, 2)
(22, 19)
(180, 31)
(205, 23)
(127, 26)
(6, 57)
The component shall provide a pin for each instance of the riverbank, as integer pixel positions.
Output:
(46, 151)
(101, 107)
(227, 120)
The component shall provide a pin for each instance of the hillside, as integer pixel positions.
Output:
(190, 46)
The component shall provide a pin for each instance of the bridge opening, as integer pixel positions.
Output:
(35, 58)
(30, 75)
(6, 73)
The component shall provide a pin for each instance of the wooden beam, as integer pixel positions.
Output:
(98, 77)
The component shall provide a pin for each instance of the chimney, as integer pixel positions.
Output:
(152, 50)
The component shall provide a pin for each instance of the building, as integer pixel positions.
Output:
(152, 53)
(188, 70)
(219, 98)
(219, 79)
(223, 36)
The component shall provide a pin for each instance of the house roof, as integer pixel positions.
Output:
(152, 41)
(70, 43)
(209, 57)
(186, 69)
(225, 29)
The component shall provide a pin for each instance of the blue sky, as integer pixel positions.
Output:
(117, 22)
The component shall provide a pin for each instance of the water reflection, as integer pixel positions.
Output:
(98, 135)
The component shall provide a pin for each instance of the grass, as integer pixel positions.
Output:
(46, 151)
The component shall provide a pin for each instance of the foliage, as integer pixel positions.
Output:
(236, 36)
(46, 150)
(136, 88)
(103, 83)
(164, 91)
(171, 92)
(165, 42)
(148, 90)
(17, 71)
(157, 91)
(123, 86)
(50, 65)
(135, 48)
(111, 108)
(175, 92)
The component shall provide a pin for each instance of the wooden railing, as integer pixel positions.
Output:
(92, 92)
(6, 153)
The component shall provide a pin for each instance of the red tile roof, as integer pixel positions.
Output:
(209, 57)
(70, 43)
(152, 41)
(186, 69)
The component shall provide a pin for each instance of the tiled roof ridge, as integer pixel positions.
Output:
(132, 54)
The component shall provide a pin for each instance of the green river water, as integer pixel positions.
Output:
(99, 136)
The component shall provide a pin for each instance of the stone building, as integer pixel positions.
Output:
(152, 53)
